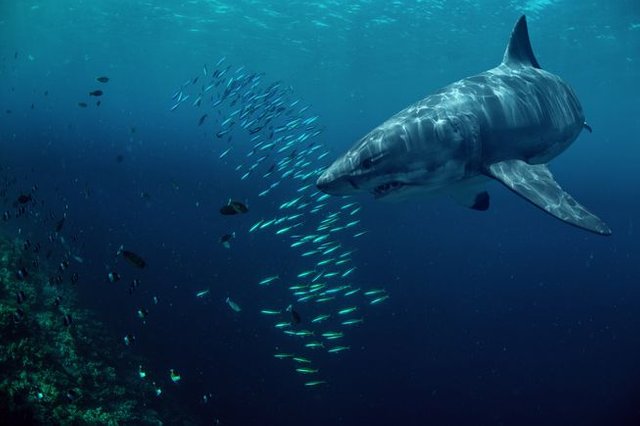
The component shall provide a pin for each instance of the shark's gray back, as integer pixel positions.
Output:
(507, 112)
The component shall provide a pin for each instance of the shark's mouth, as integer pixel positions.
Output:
(387, 188)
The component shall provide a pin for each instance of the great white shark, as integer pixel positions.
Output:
(503, 124)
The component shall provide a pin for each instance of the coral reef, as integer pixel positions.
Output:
(56, 369)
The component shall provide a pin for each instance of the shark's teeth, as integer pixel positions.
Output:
(386, 188)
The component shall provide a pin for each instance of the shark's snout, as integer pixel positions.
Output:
(324, 182)
(335, 184)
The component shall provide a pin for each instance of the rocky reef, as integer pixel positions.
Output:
(57, 363)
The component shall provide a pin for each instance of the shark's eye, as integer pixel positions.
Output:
(367, 163)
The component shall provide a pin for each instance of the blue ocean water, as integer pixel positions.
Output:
(504, 317)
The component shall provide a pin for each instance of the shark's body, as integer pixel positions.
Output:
(505, 124)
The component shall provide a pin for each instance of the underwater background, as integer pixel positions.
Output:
(504, 317)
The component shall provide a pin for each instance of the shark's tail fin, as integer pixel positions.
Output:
(519, 51)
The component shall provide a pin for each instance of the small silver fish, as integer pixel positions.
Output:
(233, 305)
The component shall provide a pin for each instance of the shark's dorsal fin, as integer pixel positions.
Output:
(519, 51)
(535, 183)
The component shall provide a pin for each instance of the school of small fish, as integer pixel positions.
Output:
(272, 139)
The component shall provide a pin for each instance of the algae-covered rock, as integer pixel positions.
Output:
(56, 373)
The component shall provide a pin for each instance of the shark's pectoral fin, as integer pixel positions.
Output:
(536, 184)
(470, 193)
(473, 199)
(481, 201)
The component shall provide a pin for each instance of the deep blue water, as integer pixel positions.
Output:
(506, 317)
